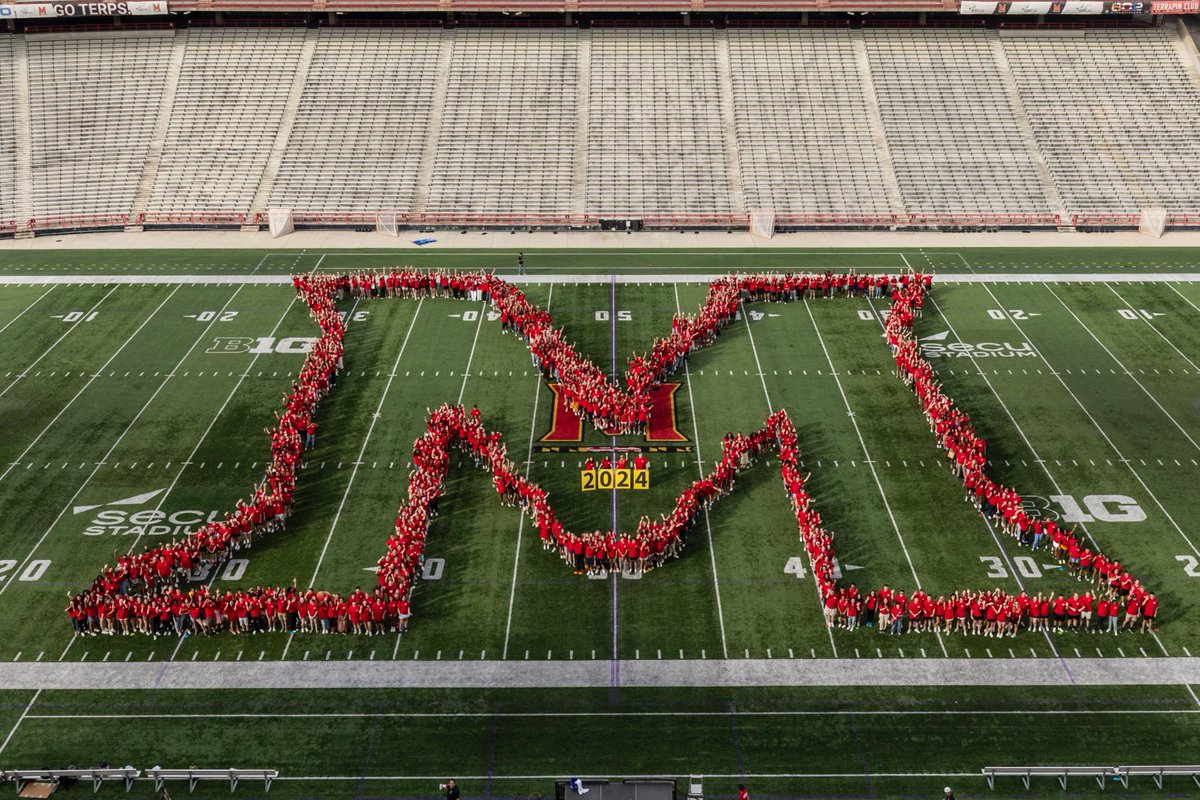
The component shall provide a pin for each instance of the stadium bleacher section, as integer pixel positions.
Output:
(357, 140)
(803, 130)
(8, 145)
(680, 127)
(231, 97)
(1116, 115)
(93, 103)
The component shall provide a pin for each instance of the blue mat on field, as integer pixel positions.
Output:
(420, 242)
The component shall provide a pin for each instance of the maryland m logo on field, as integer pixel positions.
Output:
(583, 395)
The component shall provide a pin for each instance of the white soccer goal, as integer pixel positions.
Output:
(1153, 222)
(762, 222)
(385, 223)
(281, 221)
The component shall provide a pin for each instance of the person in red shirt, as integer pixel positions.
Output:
(743, 794)
(1149, 612)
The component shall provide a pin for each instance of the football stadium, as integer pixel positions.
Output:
(649, 399)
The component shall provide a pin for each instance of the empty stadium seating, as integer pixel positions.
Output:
(803, 135)
(231, 97)
(673, 125)
(1116, 114)
(8, 145)
(356, 142)
(654, 138)
(93, 101)
(507, 131)
(950, 127)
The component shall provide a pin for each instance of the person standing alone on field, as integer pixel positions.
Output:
(743, 794)
(520, 263)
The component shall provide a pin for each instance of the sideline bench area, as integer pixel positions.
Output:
(55, 777)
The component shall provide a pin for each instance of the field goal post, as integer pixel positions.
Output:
(385, 224)
(281, 221)
(762, 222)
(1153, 222)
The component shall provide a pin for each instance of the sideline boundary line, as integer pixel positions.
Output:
(599, 278)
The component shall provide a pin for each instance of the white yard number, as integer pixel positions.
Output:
(1191, 567)
(794, 566)
(32, 572)
(1024, 564)
(470, 316)
(235, 569)
(359, 316)
(219, 316)
(1103, 507)
(433, 569)
(1141, 313)
(1014, 313)
(79, 316)
(622, 316)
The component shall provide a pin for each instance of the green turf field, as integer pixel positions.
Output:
(133, 410)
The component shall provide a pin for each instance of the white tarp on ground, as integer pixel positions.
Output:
(762, 222)
(281, 221)
(1153, 222)
(385, 223)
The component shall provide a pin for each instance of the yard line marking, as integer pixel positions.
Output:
(31, 305)
(1111, 355)
(1192, 693)
(471, 356)
(512, 592)
(184, 465)
(366, 440)
(22, 718)
(95, 470)
(78, 394)
(771, 410)
(871, 465)
(1012, 570)
(1100, 430)
(1182, 296)
(707, 524)
(57, 341)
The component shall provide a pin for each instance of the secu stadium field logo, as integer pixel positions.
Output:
(122, 518)
(936, 346)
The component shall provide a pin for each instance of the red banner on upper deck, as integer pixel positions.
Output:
(134, 8)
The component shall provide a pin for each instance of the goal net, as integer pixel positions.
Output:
(762, 222)
(385, 223)
(1153, 222)
(281, 221)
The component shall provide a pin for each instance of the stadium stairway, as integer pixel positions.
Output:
(583, 82)
(286, 123)
(161, 124)
(23, 135)
(1053, 198)
(733, 162)
(875, 118)
(436, 115)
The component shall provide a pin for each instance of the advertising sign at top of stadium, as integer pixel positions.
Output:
(1082, 7)
(68, 10)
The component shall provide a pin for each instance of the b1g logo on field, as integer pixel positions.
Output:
(116, 519)
(935, 346)
(262, 345)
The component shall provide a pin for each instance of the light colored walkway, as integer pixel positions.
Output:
(541, 674)
(321, 241)
(633, 278)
